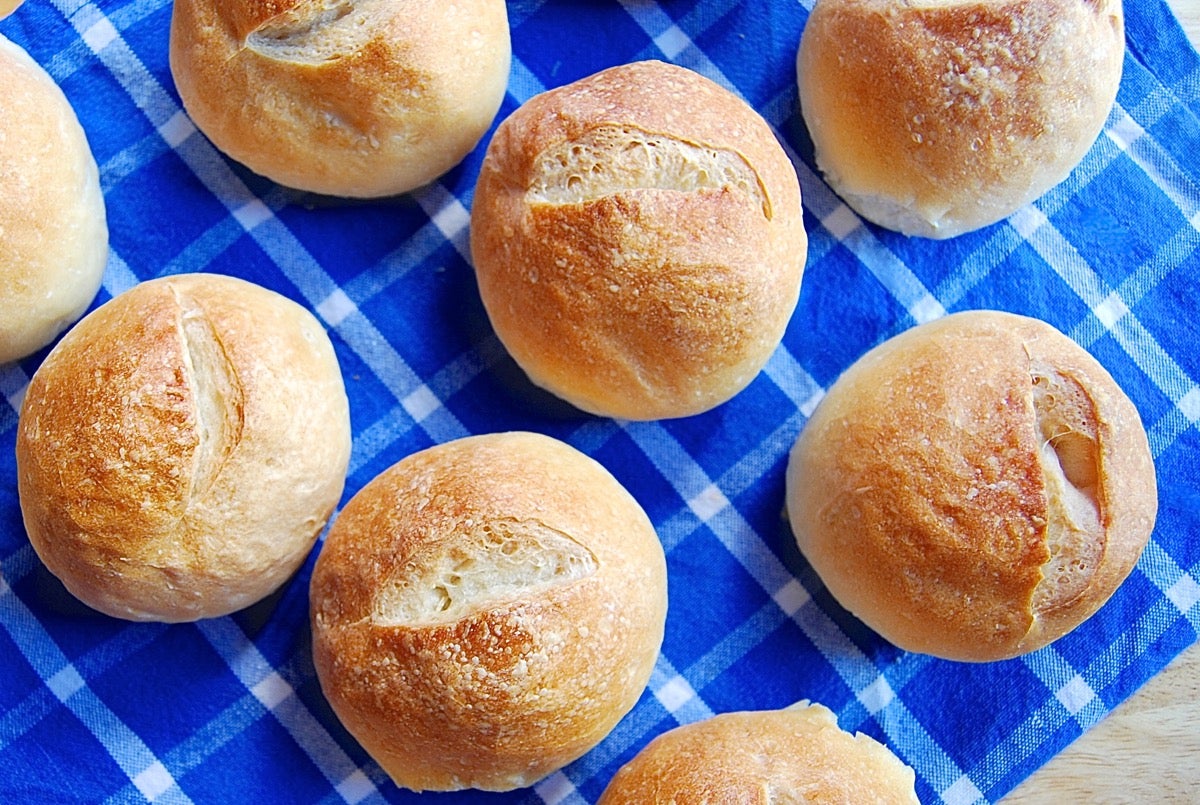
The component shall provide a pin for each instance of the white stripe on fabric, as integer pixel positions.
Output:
(1156, 162)
(710, 502)
(962, 792)
(336, 308)
(1184, 594)
(672, 42)
(1189, 405)
(13, 385)
(177, 129)
(421, 404)
(252, 214)
(356, 787)
(252, 670)
(1111, 310)
(877, 695)
(1075, 695)
(118, 277)
(841, 221)
(154, 781)
(676, 693)
(66, 683)
(128, 750)
(448, 214)
(790, 597)
(99, 35)
(557, 789)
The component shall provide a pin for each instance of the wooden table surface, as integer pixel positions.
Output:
(1148, 749)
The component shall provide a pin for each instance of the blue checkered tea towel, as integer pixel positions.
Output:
(228, 710)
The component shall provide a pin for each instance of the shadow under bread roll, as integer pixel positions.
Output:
(182, 446)
(974, 487)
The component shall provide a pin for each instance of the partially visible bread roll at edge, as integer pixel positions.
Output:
(351, 98)
(638, 240)
(973, 488)
(486, 611)
(8, 7)
(53, 230)
(181, 447)
(939, 117)
(766, 757)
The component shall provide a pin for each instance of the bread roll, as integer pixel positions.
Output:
(8, 7)
(766, 757)
(352, 98)
(53, 232)
(486, 610)
(973, 488)
(181, 447)
(939, 117)
(638, 241)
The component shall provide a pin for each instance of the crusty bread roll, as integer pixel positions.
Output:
(486, 610)
(638, 241)
(766, 757)
(53, 232)
(939, 117)
(973, 488)
(351, 98)
(181, 447)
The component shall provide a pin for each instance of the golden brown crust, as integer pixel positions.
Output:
(768, 757)
(356, 98)
(973, 488)
(638, 241)
(53, 233)
(485, 611)
(8, 7)
(939, 117)
(181, 448)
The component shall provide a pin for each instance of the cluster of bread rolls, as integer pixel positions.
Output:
(485, 611)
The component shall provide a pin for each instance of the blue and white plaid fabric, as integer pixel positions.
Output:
(228, 710)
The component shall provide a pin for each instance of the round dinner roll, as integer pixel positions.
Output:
(53, 232)
(974, 487)
(181, 447)
(638, 241)
(486, 610)
(350, 98)
(938, 117)
(765, 757)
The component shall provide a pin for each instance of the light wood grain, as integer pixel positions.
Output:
(1146, 751)
(1188, 12)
